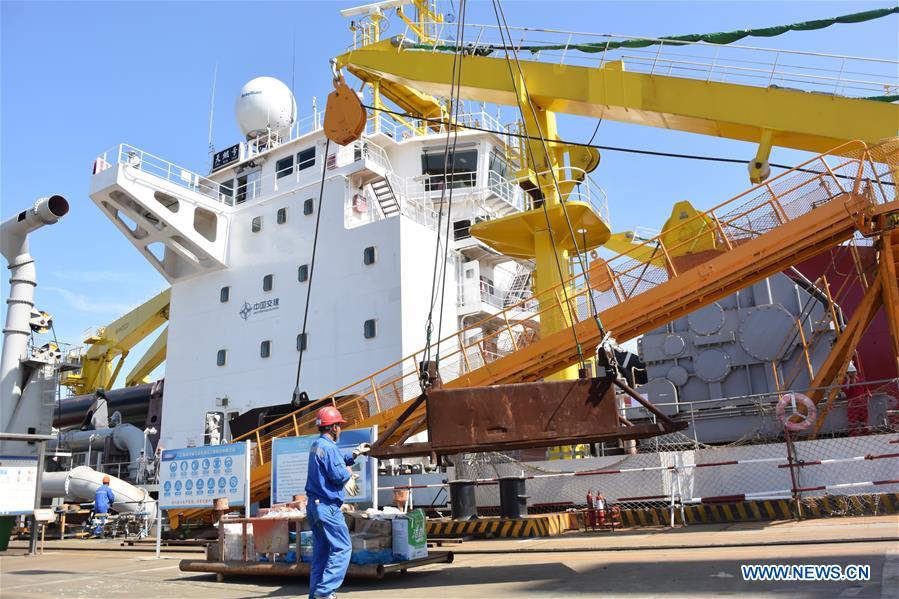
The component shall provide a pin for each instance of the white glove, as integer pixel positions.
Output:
(352, 487)
(361, 449)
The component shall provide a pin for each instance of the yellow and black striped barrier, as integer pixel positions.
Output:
(550, 525)
(773, 509)
(546, 525)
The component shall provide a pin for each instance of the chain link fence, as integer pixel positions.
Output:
(842, 471)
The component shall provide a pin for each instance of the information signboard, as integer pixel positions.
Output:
(290, 463)
(18, 484)
(194, 476)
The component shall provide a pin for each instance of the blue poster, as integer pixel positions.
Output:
(194, 476)
(290, 463)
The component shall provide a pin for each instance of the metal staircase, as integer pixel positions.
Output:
(382, 192)
(798, 214)
(520, 286)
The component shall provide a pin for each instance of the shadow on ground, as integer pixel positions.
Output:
(592, 573)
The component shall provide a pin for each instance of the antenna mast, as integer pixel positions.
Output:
(215, 73)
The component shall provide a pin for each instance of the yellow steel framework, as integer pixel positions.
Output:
(783, 117)
(800, 213)
(110, 345)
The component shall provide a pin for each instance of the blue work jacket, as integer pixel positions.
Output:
(327, 471)
(103, 498)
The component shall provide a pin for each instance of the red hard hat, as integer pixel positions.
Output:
(329, 415)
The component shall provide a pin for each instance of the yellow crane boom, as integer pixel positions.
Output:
(110, 345)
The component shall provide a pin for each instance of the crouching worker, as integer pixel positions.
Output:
(328, 474)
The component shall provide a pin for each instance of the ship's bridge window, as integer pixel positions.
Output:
(265, 349)
(284, 167)
(306, 159)
(461, 168)
(498, 164)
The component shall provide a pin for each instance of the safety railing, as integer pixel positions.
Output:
(852, 168)
(159, 167)
(380, 122)
(851, 76)
(490, 295)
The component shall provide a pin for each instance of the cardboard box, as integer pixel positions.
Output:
(410, 539)
(369, 542)
(375, 527)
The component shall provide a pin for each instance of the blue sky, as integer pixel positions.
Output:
(78, 78)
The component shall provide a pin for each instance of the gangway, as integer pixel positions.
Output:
(795, 215)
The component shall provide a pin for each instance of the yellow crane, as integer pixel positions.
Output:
(110, 345)
(554, 226)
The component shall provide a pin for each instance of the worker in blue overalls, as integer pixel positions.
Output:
(103, 498)
(329, 474)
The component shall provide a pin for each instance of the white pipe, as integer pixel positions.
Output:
(128, 437)
(125, 437)
(14, 247)
(81, 484)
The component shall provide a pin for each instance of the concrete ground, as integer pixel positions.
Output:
(699, 561)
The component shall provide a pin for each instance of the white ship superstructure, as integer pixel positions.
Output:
(236, 247)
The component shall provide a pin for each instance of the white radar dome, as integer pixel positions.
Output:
(265, 104)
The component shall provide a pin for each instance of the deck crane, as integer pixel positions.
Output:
(804, 211)
(110, 345)
(765, 115)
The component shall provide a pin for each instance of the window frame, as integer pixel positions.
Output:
(282, 169)
(303, 161)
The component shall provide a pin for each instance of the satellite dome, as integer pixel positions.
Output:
(265, 104)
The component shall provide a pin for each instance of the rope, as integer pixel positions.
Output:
(447, 156)
(457, 106)
(501, 22)
(580, 258)
(318, 216)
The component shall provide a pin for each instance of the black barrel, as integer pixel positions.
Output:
(513, 503)
(462, 499)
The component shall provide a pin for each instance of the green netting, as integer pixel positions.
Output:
(725, 37)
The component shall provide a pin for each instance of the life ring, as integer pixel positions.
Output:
(796, 420)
